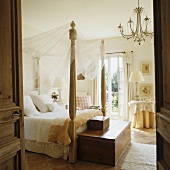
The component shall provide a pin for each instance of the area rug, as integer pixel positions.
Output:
(139, 157)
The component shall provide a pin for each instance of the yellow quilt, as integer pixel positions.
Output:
(59, 134)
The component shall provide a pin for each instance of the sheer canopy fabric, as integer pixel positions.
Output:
(48, 55)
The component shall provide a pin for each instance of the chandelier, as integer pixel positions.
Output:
(139, 34)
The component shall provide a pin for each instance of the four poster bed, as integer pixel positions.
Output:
(72, 103)
(70, 122)
(48, 132)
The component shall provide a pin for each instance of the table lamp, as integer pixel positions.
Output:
(136, 76)
(59, 83)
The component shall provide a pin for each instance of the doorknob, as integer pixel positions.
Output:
(16, 114)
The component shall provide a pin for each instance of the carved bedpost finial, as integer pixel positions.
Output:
(72, 24)
(102, 41)
(73, 32)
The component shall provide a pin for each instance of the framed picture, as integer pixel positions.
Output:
(145, 90)
(146, 68)
(80, 77)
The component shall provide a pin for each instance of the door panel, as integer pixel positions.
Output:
(115, 83)
(11, 95)
(8, 164)
(162, 70)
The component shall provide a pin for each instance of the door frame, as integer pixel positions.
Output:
(160, 15)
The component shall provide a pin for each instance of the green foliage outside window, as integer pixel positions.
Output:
(114, 88)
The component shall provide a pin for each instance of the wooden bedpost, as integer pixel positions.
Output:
(72, 97)
(103, 81)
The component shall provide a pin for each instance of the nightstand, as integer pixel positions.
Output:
(63, 105)
(142, 114)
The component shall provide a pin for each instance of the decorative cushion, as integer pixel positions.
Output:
(41, 102)
(53, 107)
(29, 107)
(83, 102)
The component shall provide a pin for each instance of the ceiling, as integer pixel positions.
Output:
(95, 18)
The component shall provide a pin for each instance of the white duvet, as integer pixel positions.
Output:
(37, 127)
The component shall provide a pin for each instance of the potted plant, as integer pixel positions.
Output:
(54, 96)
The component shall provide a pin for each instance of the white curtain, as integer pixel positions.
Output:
(128, 86)
(53, 50)
(96, 91)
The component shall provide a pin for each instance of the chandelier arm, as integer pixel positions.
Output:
(137, 22)
(138, 35)
(150, 34)
(146, 28)
(132, 29)
(140, 23)
(126, 36)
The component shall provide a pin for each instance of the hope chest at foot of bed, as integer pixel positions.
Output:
(99, 123)
(104, 146)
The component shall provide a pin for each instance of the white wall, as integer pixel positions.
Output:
(141, 53)
(85, 85)
(37, 18)
(144, 52)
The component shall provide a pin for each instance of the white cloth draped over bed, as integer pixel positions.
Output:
(51, 50)
(37, 127)
(37, 130)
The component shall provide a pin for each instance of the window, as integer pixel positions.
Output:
(115, 85)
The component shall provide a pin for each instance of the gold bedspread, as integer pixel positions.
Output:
(60, 134)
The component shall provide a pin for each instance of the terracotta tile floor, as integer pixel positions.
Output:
(35, 161)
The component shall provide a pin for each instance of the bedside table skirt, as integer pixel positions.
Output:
(144, 119)
(142, 114)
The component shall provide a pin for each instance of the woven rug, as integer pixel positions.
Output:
(138, 157)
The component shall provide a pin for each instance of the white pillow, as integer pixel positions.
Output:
(53, 107)
(29, 107)
(41, 102)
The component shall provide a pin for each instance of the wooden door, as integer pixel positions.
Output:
(162, 70)
(11, 97)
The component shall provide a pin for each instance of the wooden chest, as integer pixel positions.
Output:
(104, 146)
(98, 123)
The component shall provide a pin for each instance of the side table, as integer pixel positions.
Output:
(63, 105)
(142, 114)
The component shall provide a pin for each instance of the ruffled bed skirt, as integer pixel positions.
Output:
(51, 149)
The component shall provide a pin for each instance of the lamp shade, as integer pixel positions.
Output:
(59, 83)
(136, 76)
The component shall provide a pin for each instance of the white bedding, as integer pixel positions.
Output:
(37, 127)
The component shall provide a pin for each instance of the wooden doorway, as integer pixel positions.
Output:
(162, 72)
(11, 97)
(12, 157)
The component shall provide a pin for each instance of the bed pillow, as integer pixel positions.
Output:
(41, 102)
(29, 107)
(53, 107)
(83, 102)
